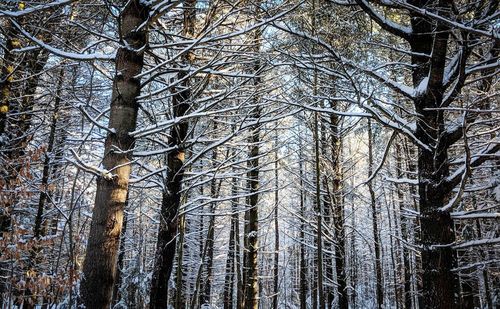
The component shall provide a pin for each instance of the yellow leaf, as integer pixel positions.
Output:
(4, 109)
(21, 5)
(16, 43)
(31, 273)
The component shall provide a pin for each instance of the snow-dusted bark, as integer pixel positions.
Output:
(99, 267)
(167, 231)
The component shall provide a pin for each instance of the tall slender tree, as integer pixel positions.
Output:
(167, 232)
(252, 214)
(99, 267)
(379, 290)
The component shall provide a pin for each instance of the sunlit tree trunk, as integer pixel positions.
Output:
(99, 267)
(121, 260)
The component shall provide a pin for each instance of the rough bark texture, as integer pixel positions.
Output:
(405, 222)
(338, 214)
(303, 263)
(230, 261)
(252, 247)
(327, 213)
(376, 239)
(167, 232)
(44, 194)
(206, 292)
(99, 268)
(439, 282)
(179, 275)
(276, 228)
(429, 41)
(121, 261)
(251, 273)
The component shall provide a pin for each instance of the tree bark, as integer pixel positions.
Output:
(276, 227)
(121, 261)
(179, 275)
(229, 279)
(379, 291)
(205, 295)
(338, 213)
(99, 268)
(167, 232)
(407, 267)
(303, 263)
(252, 215)
(439, 283)
(44, 194)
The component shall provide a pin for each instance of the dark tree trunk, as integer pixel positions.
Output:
(407, 267)
(99, 268)
(229, 280)
(251, 248)
(338, 212)
(439, 283)
(276, 227)
(179, 275)
(252, 216)
(328, 202)
(206, 290)
(16, 105)
(38, 230)
(205, 295)
(44, 193)
(303, 263)
(19, 80)
(239, 275)
(379, 292)
(167, 232)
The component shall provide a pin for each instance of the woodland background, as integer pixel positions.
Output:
(249, 154)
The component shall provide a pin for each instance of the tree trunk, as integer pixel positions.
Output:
(179, 275)
(121, 261)
(393, 248)
(16, 103)
(327, 213)
(208, 261)
(99, 267)
(165, 247)
(230, 261)
(251, 250)
(379, 292)
(214, 192)
(239, 276)
(44, 193)
(338, 212)
(303, 263)
(251, 271)
(319, 213)
(439, 283)
(276, 226)
(406, 267)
